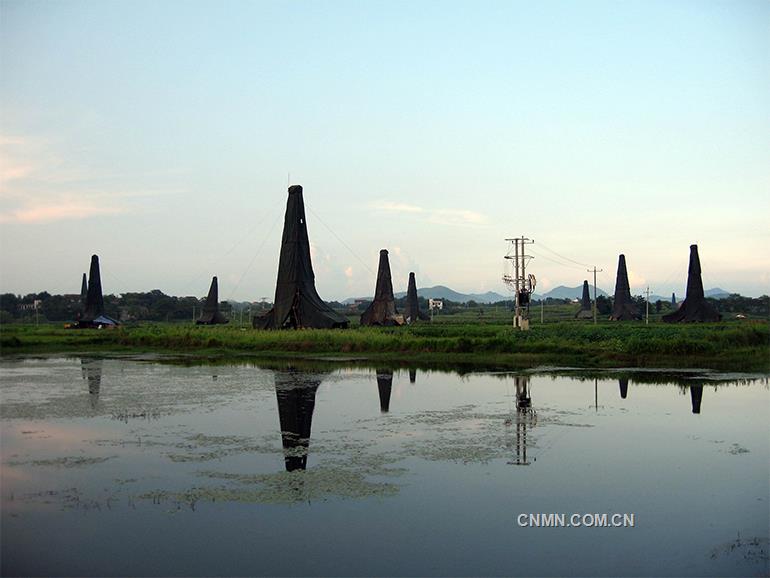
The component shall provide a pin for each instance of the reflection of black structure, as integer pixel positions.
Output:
(623, 388)
(91, 370)
(385, 386)
(696, 395)
(526, 418)
(295, 392)
(412, 375)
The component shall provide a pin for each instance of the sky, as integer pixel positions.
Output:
(162, 137)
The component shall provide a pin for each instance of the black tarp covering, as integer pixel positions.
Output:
(93, 312)
(297, 303)
(84, 290)
(585, 311)
(623, 307)
(211, 314)
(694, 307)
(384, 387)
(412, 311)
(295, 391)
(382, 311)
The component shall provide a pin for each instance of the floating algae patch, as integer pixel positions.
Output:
(737, 449)
(65, 462)
(223, 446)
(321, 483)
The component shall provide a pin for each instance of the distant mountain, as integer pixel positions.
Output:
(562, 292)
(442, 292)
(717, 293)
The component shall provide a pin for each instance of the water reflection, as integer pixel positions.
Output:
(385, 386)
(412, 375)
(696, 395)
(525, 419)
(295, 392)
(91, 371)
(623, 388)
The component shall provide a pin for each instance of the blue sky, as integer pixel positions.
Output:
(161, 135)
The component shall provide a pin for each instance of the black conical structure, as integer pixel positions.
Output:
(84, 290)
(382, 311)
(585, 311)
(694, 307)
(673, 300)
(297, 303)
(94, 299)
(295, 392)
(623, 307)
(384, 386)
(211, 314)
(412, 307)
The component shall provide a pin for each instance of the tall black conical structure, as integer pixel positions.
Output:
(585, 311)
(297, 303)
(412, 311)
(83, 297)
(673, 300)
(623, 307)
(382, 311)
(211, 314)
(295, 392)
(84, 290)
(94, 299)
(384, 386)
(694, 307)
(93, 312)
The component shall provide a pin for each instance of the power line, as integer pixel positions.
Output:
(248, 267)
(562, 256)
(555, 261)
(352, 252)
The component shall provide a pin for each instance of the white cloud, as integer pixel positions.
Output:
(457, 217)
(58, 211)
(396, 207)
(447, 216)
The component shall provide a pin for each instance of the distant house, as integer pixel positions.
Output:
(436, 303)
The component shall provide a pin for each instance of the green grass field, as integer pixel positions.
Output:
(492, 342)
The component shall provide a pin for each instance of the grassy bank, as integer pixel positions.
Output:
(729, 345)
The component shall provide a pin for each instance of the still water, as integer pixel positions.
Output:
(128, 467)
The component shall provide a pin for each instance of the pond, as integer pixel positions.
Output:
(140, 467)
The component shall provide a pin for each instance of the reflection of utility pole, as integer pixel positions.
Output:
(526, 418)
(596, 394)
(595, 271)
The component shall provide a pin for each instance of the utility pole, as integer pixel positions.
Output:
(595, 270)
(193, 313)
(542, 312)
(647, 307)
(522, 285)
